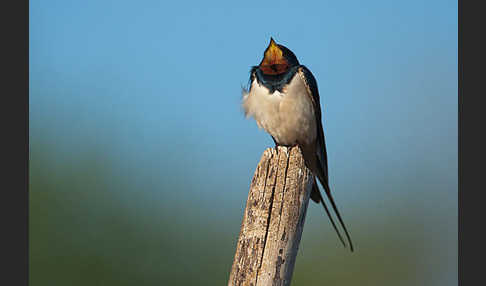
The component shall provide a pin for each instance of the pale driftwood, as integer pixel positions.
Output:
(273, 220)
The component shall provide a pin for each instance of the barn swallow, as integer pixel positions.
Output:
(284, 101)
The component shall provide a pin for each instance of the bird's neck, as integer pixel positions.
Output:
(274, 82)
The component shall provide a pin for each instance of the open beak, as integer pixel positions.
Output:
(273, 61)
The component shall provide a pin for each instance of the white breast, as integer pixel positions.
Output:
(288, 115)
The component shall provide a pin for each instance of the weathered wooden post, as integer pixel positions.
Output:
(273, 220)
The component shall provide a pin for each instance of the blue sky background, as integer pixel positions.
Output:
(153, 89)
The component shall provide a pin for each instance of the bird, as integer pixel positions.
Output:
(283, 98)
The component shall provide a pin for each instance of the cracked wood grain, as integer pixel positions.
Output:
(273, 220)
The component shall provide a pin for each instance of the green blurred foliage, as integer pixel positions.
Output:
(82, 233)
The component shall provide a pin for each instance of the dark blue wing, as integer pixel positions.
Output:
(321, 152)
(321, 143)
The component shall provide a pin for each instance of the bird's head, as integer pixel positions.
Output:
(277, 59)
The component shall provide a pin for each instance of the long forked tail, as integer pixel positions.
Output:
(314, 163)
(322, 179)
(317, 197)
(329, 196)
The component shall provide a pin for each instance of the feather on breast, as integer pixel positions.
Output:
(287, 115)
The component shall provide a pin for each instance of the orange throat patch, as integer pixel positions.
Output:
(276, 68)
